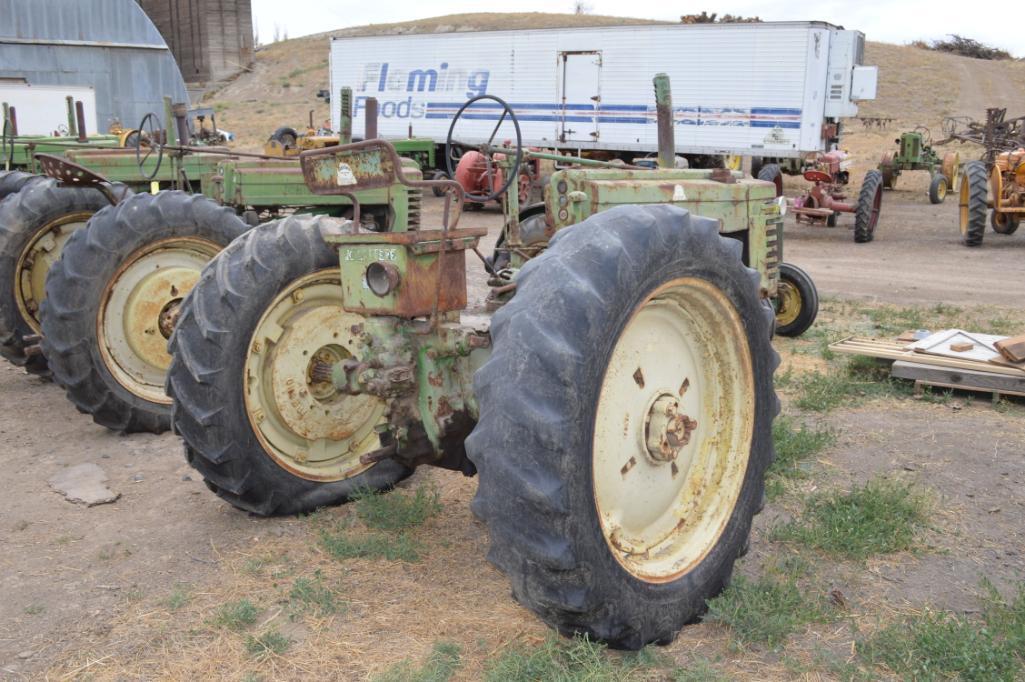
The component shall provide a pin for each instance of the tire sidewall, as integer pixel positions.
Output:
(133, 225)
(270, 483)
(682, 253)
(22, 223)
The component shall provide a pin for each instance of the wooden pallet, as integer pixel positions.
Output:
(892, 350)
(962, 379)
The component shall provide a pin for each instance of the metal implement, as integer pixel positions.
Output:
(1000, 174)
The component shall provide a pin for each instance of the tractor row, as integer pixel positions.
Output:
(615, 398)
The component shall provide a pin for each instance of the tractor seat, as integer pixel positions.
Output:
(817, 176)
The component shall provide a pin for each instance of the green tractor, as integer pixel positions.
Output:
(614, 396)
(914, 153)
(99, 245)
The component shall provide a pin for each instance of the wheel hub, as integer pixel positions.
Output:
(36, 261)
(667, 429)
(305, 424)
(672, 430)
(140, 307)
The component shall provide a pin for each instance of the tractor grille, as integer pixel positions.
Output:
(415, 203)
(773, 243)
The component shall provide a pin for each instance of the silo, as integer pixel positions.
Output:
(211, 39)
(109, 45)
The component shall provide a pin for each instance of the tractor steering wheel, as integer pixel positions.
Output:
(148, 135)
(451, 145)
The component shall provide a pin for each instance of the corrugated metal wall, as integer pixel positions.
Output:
(110, 45)
(211, 39)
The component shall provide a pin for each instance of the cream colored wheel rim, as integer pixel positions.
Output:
(941, 191)
(36, 260)
(139, 307)
(306, 425)
(790, 303)
(673, 430)
(964, 198)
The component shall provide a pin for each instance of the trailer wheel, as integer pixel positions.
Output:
(797, 301)
(35, 224)
(938, 189)
(771, 172)
(870, 201)
(1003, 223)
(756, 165)
(264, 311)
(112, 301)
(643, 396)
(972, 205)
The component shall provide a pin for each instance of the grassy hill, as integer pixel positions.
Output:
(916, 86)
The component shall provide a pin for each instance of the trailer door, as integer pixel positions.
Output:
(580, 93)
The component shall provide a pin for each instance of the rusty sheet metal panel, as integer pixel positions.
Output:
(425, 270)
(336, 172)
(110, 45)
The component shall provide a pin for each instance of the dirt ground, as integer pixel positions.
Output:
(86, 590)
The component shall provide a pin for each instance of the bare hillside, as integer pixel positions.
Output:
(917, 87)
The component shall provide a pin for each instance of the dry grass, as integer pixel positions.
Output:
(359, 619)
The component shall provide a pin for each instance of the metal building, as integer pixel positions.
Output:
(211, 39)
(109, 45)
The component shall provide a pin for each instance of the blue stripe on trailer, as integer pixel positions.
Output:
(755, 117)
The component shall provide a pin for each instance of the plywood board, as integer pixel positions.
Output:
(891, 350)
(959, 378)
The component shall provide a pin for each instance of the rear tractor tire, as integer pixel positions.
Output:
(265, 310)
(938, 188)
(771, 172)
(620, 471)
(36, 222)
(112, 301)
(797, 301)
(13, 181)
(870, 201)
(972, 204)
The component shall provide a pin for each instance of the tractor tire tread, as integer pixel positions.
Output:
(75, 286)
(529, 437)
(978, 187)
(31, 202)
(864, 226)
(208, 349)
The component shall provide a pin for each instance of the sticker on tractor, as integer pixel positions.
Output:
(679, 194)
(345, 175)
(364, 255)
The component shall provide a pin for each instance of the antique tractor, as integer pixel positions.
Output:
(92, 275)
(617, 406)
(827, 198)
(1000, 174)
(914, 153)
(1005, 183)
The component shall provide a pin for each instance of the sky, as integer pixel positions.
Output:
(890, 21)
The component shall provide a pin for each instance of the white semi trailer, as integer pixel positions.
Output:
(762, 89)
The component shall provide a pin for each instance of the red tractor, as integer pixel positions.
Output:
(827, 197)
(480, 177)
